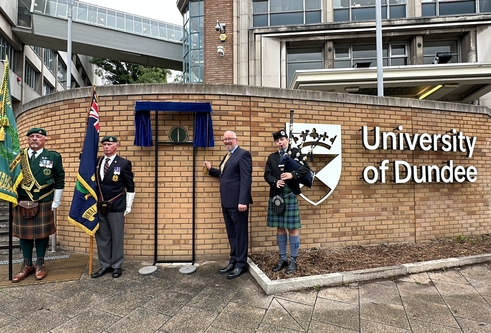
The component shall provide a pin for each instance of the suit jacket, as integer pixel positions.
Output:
(118, 179)
(272, 174)
(47, 170)
(236, 179)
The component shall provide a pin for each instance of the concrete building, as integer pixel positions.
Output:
(436, 50)
(37, 71)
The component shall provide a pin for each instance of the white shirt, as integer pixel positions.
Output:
(38, 152)
(111, 159)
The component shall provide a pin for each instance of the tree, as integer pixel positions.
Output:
(118, 72)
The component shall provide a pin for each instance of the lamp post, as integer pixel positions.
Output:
(69, 46)
(378, 33)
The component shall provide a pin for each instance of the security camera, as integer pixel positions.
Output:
(220, 51)
(220, 27)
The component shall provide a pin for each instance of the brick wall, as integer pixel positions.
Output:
(356, 212)
(218, 69)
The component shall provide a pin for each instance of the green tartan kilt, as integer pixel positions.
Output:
(290, 219)
(41, 226)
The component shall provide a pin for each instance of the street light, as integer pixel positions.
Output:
(69, 45)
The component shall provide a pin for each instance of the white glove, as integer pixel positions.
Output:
(57, 199)
(129, 202)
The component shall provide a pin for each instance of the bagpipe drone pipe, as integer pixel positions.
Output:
(292, 163)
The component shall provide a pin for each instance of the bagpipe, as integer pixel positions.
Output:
(291, 163)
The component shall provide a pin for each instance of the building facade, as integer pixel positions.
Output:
(37, 71)
(268, 41)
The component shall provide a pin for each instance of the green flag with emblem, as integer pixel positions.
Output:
(10, 171)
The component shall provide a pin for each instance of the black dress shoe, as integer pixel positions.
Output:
(236, 273)
(280, 265)
(100, 272)
(117, 272)
(227, 269)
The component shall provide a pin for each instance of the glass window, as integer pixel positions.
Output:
(30, 76)
(111, 19)
(193, 44)
(101, 17)
(303, 59)
(49, 60)
(62, 69)
(452, 7)
(61, 9)
(6, 50)
(363, 10)
(47, 88)
(80, 12)
(431, 48)
(285, 12)
(484, 6)
(346, 56)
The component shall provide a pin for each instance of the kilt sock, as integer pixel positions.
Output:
(26, 246)
(281, 239)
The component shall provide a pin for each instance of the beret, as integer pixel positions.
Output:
(110, 138)
(280, 134)
(36, 130)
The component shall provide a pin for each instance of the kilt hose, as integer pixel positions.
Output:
(290, 219)
(41, 226)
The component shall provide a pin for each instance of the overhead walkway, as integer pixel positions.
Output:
(100, 32)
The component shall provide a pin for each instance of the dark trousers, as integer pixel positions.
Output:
(236, 224)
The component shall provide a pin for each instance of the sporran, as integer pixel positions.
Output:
(278, 205)
(28, 209)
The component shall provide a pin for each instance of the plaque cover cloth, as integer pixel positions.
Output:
(203, 125)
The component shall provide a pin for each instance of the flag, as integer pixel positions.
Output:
(10, 170)
(83, 211)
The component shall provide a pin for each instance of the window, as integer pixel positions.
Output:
(431, 48)
(362, 10)
(37, 50)
(454, 7)
(285, 12)
(303, 59)
(347, 56)
(6, 50)
(49, 60)
(193, 43)
(47, 88)
(61, 75)
(31, 76)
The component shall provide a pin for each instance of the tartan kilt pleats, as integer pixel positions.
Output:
(290, 219)
(41, 226)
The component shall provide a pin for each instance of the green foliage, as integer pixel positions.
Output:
(117, 72)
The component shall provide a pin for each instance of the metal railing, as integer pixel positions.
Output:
(110, 19)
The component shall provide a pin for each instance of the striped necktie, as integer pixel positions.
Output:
(224, 161)
(106, 165)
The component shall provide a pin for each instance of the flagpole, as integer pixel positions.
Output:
(91, 243)
(90, 254)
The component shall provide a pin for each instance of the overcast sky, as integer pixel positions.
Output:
(162, 10)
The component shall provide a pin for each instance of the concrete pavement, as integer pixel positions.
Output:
(447, 300)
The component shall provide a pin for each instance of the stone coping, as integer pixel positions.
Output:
(336, 279)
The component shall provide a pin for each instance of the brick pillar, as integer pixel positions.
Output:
(218, 69)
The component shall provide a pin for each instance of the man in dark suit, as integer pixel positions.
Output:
(116, 191)
(43, 181)
(235, 173)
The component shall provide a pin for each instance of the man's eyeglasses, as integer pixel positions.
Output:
(228, 139)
